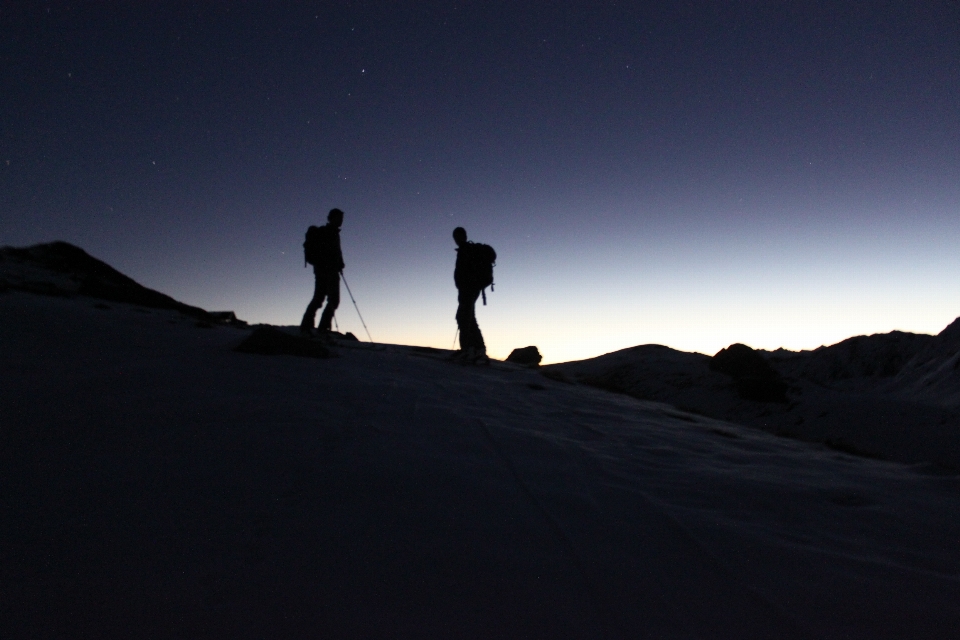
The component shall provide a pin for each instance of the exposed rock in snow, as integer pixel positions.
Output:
(526, 355)
(753, 376)
(226, 317)
(270, 341)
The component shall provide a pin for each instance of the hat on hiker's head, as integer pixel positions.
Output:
(335, 214)
(460, 235)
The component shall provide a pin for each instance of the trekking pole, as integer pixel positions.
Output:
(453, 346)
(336, 325)
(355, 306)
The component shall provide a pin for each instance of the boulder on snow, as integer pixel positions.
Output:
(527, 355)
(753, 376)
(226, 317)
(271, 341)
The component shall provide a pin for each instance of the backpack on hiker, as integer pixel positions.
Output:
(313, 246)
(481, 260)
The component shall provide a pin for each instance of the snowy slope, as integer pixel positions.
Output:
(933, 374)
(893, 396)
(156, 483)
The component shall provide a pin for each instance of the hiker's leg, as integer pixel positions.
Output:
(477, 339)
(462, 320)
(332, 289)
(479, 344)
(319, 292)
(467, 320)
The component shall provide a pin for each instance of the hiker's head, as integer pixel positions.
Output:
(335, 217)
(459, 235)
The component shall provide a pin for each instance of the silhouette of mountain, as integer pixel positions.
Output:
(894, 396)
(62, 269)
(860, 362)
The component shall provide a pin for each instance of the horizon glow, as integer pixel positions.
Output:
(771, 175)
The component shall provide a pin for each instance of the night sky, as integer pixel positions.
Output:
(685, 173)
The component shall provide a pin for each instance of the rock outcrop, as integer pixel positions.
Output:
(752, 375)
(270, 341)
(527, 355)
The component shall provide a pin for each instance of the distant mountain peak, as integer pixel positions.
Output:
(62, 269)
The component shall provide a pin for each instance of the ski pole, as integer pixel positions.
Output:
(355, 305)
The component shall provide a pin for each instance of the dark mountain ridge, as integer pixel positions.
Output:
(862, 360)
(62, 269)
(894, 395)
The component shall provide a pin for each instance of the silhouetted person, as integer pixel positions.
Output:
(473, 273)
(322, 250)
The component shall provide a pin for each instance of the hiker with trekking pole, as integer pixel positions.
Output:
(322, 250)
(472, 274)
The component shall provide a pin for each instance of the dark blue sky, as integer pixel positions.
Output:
(688, 173)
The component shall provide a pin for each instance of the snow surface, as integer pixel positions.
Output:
(156, 483)
(893, 396)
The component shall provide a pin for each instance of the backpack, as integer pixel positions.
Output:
(312, 245)
(482, 260)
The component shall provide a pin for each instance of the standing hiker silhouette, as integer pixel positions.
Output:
(322, 249)
(472, 274)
